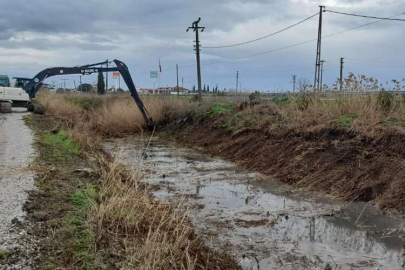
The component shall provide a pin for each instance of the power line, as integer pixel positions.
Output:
(376, 61)
(128, 28)
(298, 44)
(257, 39)
(369, 17)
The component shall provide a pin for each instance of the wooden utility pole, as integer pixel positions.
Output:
(177, 72)
(294, 81)
(106, 79)
(196, 29)
(341, 74)
(237, 83)
(321, 82)
(317, 80)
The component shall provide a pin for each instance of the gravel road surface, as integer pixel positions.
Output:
(16, 153)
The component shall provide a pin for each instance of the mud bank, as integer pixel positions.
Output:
(16, 180)
(264, 223)
(344, 163)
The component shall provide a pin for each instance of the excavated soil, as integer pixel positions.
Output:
(344, 163)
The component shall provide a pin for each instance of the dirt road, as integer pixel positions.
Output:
(16, 180)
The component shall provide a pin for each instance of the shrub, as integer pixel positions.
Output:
(385, 101)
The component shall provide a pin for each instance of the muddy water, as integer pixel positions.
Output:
(261, 222)
(16, 180)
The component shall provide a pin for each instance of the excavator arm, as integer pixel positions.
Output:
(35, 84)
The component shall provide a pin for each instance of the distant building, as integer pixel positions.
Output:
(162, 90)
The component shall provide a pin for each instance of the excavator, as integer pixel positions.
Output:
(32, 86)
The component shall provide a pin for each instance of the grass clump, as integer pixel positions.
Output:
(81, 199)
(392, 120)
(385, 101)
(143, 233)
(5, 255)
(82, 238)
(60, 146)
(220, 108)
(85, 102)
(240, 120)
(343, 122)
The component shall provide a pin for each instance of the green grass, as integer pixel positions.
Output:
(281, 100)
(85, 103)
(82, 237)
(219, 108)
(392, 120)
(80, 198)
(240, 120)
(343, 122)
(5, 255)
(61, 147)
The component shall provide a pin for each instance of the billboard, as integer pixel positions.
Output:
(153, 74)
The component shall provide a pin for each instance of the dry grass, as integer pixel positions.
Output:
(109, 115)
(134, 230)
(364, 113)
(144, 233)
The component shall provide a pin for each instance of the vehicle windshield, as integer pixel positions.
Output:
(21, 82)
(4, 82)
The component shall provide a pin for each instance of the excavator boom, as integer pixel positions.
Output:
(35, 84)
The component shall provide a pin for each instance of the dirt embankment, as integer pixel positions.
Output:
(338, 161)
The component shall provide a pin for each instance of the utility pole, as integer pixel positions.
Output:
(80, 76)
(237, 83)
(294, 81)
(318, 51)
(321, 88)
(182, 83)
(341, 74)
(106, 79)
(177, 74)
(196, 29)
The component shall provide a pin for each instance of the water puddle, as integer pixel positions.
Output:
(265, 224)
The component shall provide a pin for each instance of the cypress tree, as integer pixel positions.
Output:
(100, 84)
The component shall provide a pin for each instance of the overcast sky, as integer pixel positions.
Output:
(36, 34)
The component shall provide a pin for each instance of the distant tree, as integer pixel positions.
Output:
(208, 88)
(85, 87)
(100, 84)
(193, 88)
(204, 88)
(303, 85)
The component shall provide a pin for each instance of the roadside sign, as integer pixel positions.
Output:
(116, 75)
(153, 74)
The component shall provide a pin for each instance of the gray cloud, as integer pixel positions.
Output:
(57, 33)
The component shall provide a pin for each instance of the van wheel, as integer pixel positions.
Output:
(5, 107)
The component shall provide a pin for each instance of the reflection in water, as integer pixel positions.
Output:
(265, 225)
(312, 230)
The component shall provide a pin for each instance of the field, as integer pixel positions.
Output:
(346, 146)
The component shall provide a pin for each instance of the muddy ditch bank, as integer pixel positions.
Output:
(264, 223)
(344, 163)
